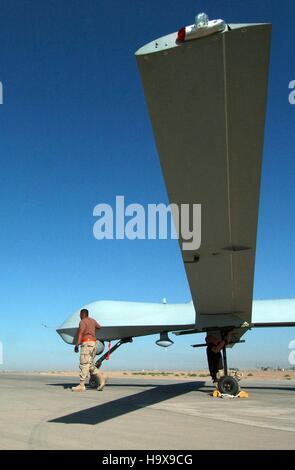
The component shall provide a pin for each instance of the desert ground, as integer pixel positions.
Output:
(248, 375)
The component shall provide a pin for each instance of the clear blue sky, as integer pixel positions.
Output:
(74, 133)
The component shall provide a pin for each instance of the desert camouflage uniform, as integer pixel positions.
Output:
(87, 357)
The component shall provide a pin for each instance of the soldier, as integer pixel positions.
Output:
(215, 362)
(87, 341)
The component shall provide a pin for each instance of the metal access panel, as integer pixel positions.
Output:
(207, 102)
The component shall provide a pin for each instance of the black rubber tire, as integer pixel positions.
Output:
(93, 381)
(228, 385)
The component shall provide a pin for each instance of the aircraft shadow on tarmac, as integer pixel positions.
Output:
(113, 409)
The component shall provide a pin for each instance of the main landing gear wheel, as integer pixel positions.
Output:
(227, 385)
(93, 381)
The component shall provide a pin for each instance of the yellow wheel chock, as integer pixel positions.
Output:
(241, 394)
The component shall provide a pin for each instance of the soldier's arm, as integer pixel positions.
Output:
(97, 325)
(80, 334)
(218, 347)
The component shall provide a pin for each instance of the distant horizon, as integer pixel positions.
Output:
(153, 371)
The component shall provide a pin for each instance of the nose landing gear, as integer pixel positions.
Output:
(93, 380)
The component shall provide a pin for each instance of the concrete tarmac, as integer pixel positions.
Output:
(41, 412)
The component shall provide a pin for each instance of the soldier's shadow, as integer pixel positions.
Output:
(69, 386)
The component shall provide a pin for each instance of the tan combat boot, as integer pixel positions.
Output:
(79, 388)
(102, 382)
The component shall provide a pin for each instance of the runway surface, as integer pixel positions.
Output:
(41, 412)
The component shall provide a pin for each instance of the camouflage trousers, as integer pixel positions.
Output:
(87, 358)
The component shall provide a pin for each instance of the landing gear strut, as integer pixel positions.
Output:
(227, 384)
(93, 378)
